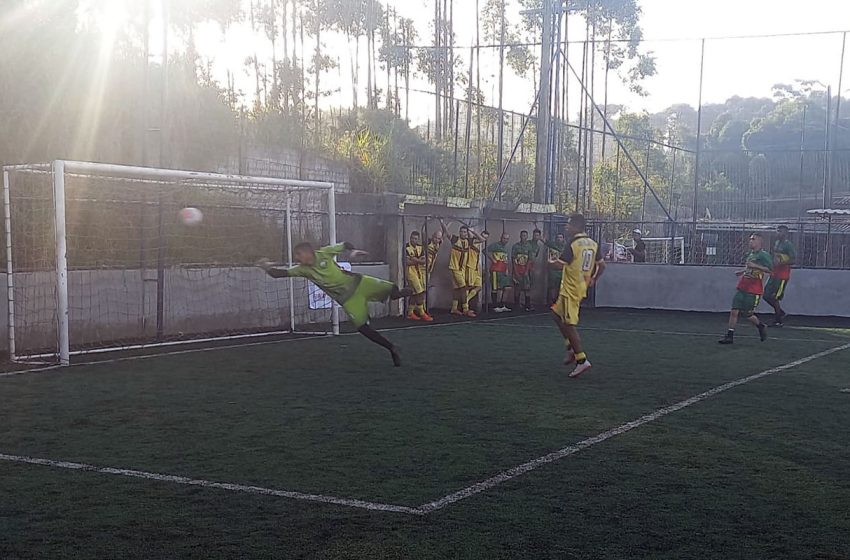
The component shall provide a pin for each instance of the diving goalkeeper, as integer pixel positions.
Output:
(351, 290)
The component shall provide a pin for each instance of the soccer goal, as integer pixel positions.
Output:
(97, 257)
(667, 250)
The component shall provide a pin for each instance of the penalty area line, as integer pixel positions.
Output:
(230, 487)
(529, 466)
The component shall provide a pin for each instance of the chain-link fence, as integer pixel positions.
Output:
(818, 244)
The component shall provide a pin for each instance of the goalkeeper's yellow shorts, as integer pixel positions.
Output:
(369, 289)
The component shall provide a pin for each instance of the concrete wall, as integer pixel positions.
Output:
(810, 292)
(113, 305)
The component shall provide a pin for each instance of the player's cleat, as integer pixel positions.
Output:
(498, 310)
(581, 368)
(413, 317)
(726, 340)
(762, 331)
(471, 314)
(779, 322)
(396, 357)
(777, 325)
(570, 358)
(427, 318)
(457, 313)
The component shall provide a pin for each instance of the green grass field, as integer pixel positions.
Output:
(759, 471)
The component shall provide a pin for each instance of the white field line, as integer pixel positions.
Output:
(519, 470)
(446, 500)
(670, 333)
(238, 346)
(241, 488)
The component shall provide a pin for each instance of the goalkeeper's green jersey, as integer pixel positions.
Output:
(339, 284)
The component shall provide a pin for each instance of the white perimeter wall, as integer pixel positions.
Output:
(711, 288)
(121, 304)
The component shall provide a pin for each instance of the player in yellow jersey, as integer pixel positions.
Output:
(434, 245)
(414, 267)
(432, 249)
(583, 265)
(474, 277)
(459, 263)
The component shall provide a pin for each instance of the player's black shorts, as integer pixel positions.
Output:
(775, 289)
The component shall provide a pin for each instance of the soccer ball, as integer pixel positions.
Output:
(191, 216)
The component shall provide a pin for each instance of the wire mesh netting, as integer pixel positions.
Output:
(137, 273)
(818, 244)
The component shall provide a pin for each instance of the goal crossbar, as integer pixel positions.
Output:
(168, 174)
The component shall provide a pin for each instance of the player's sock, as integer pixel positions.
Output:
(466, 307)
(581, 357)
(762, 331)
(494, 299)
(410, 309)
(569, 356)
(528, 302)
(454, 306)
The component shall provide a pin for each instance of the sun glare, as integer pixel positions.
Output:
(111, 17)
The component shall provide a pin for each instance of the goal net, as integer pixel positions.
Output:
(98, 258)
(666, 250)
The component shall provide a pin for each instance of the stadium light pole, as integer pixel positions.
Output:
(699, 137)
(834, 128)
(541, 163)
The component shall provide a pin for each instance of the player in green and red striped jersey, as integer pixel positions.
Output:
(783, 258)
(750, 289)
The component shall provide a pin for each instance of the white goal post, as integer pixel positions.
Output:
(97, 258)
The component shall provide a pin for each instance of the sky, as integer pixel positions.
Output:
(672, 28)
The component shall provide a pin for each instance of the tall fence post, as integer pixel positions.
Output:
(698, 146)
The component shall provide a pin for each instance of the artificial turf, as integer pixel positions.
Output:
(760, 471)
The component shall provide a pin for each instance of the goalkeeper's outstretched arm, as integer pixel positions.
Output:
(272, 270)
